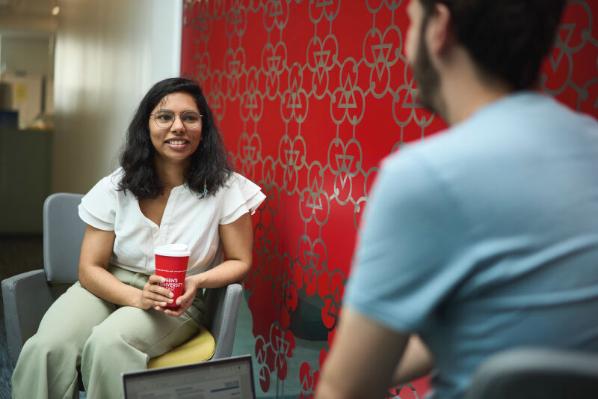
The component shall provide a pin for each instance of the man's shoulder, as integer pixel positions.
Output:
(444, 147)
(497, 127)
(526, 110)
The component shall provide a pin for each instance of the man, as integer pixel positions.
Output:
(483, 238)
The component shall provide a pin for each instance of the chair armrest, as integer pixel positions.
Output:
(524, 373)
(224, 323)
(26, 298)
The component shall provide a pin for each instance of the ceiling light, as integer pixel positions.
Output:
(55, 10)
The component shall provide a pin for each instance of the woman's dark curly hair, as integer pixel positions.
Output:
(209, 167)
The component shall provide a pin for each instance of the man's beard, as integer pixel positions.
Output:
(427, 78)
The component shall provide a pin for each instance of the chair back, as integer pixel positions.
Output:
(63, 234)
(223, 306)
(537, 374)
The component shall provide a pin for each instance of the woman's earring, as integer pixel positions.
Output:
(205, 190)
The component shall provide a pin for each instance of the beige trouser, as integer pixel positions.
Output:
(104, 340)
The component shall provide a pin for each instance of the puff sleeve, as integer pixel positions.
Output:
(98, 206)
(242, 196)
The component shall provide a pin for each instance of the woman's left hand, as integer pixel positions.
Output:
(185, 300)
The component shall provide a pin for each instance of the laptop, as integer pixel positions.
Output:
(230, 377)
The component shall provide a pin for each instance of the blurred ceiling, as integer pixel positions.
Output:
(27, 16)
(27, 7)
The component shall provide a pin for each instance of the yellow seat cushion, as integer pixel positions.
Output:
(197, 349)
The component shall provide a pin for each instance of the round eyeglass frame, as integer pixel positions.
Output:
(161, 125)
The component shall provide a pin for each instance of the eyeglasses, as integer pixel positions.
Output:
(165, 119)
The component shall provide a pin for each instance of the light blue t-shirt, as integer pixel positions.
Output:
(486, 238)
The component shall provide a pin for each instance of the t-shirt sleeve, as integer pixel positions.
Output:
(98, 206)
(241, 196)
(407, 260)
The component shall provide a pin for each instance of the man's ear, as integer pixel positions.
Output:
(438, 32)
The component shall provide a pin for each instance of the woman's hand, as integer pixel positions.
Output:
(185, 300)
(153, 295)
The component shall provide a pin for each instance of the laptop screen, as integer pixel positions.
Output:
(223, 378)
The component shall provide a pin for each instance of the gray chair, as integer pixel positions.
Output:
(28, 295)
(530, 373)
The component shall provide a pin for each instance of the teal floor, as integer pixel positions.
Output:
(305, 350)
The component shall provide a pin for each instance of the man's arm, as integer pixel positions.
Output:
(416, 362)
(363, 359)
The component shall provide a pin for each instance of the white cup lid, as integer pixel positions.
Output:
(172, 250)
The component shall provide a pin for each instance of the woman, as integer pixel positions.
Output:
(174, 186)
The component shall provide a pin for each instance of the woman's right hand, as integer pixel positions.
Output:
(153, 295)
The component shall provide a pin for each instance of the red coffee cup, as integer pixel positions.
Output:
(171, 263)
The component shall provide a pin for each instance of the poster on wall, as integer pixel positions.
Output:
(26, 96)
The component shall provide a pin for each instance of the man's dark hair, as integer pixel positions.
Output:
(209, 167)
(507, 39)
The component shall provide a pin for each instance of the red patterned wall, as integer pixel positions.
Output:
(310, 95)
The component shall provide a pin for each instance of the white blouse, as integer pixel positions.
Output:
(187, 219)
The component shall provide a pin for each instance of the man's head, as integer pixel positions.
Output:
(505, 39)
